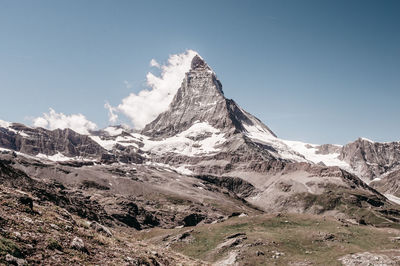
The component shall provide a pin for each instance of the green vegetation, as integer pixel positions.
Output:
(9, 247)
(176, 200)
(53, 245)
(299, 237)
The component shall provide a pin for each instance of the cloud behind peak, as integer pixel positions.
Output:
(145, 106)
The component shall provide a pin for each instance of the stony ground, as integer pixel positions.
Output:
(48, 235)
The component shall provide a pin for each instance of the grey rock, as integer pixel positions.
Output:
(16, 261)
(367, 258)
(101, 229)
(328, 149)
(193, 219)
(78, 244)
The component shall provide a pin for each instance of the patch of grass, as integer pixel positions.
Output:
(83, 224)
(177, 200)
(202, 244)
(101, 240)
(53, 245)
(9, 247)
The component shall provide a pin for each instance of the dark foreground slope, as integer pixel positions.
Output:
(37, 229)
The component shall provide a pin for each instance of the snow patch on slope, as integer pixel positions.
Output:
(5, 124)
(260, 135)
(393, 198)
(59, 157)
(108, 144)
(180, 170)
(365, 139)
(186, 143)
(257, 132)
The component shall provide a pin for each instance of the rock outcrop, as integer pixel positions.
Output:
(371, 159)
(34, 141)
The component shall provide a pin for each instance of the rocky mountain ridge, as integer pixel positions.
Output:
(203, 133)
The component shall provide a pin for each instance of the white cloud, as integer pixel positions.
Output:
(53, 120)
(112, 116)
(144, 107)
(154, 63)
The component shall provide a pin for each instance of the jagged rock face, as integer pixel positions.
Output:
(389, 184)
(36, 141)
(200, 99)
(371, 159)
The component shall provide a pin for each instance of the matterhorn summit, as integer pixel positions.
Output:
(200, 99)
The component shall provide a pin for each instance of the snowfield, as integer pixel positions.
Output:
(59, 157)
(200, 139)
(295, 150)
(186, 143)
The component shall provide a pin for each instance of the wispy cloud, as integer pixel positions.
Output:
(112, 116)
(128, 85)
(154, 63)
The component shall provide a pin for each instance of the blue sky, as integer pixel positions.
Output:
(316, 71)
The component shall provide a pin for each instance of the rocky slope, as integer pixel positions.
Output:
(389, 183)
(37, 230)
